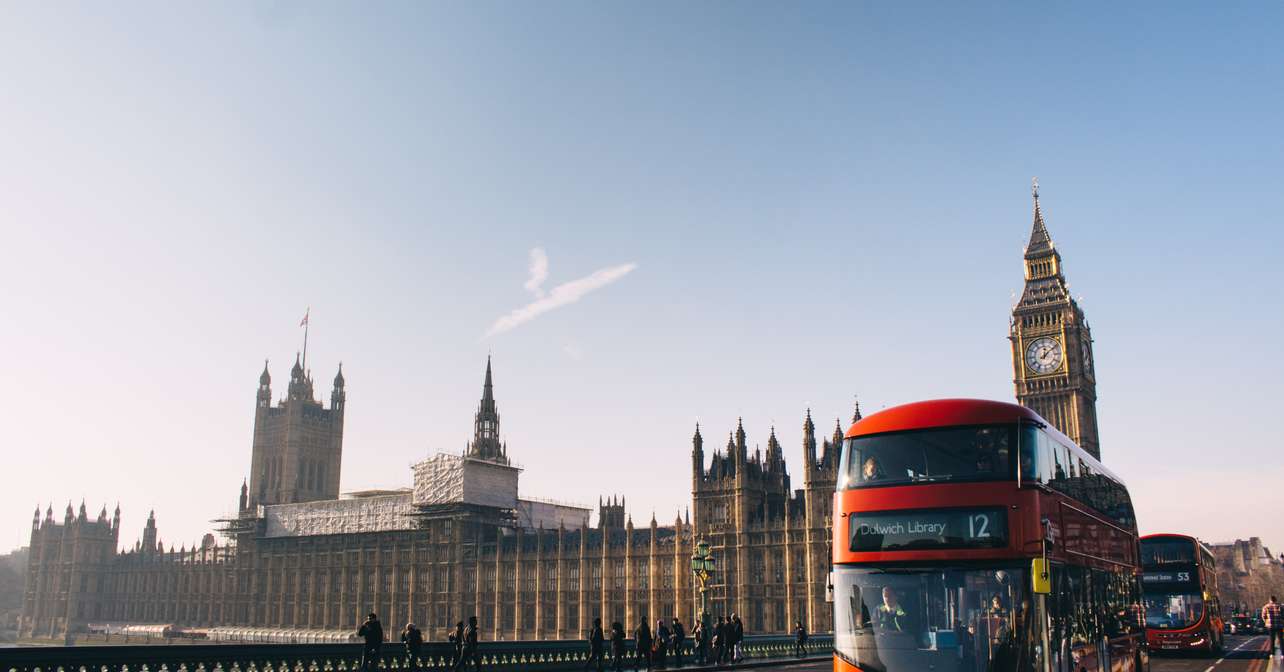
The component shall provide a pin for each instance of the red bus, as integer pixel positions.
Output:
(1179, 588)
(972, 536)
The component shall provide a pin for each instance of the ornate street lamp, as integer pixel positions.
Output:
(702, 567)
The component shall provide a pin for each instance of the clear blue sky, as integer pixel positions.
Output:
(799, 202)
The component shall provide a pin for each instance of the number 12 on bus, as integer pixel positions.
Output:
(972, 536)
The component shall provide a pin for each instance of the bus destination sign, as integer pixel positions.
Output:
(1174, 576)
(928, 529)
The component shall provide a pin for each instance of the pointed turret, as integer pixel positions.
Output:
(35, 519)
(775, 456)
(244, 502)
(486, 444)
(742, 449)
(809, 447)
(338, 396)
(1040, 241)
(856, 416)
(697, 455)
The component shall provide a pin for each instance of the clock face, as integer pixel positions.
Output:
(1087, 357)
(1044, 355)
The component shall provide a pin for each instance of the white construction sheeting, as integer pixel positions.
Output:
(533, 514)
(340, 516)
(454, 479)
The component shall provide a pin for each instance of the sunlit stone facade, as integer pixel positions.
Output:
(459, 542)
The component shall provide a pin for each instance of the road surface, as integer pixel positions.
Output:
(1244, 654)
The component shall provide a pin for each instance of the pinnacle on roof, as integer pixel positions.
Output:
(488, 391)
(1040, 240)
(265, 378)
(856, 416)
(338, 377)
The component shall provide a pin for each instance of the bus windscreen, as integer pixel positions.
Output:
(1157, 552)
(929, 456)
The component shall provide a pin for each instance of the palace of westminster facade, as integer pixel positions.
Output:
(298, 557)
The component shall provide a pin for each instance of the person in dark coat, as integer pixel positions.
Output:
(457, 639)
(800, 639)
(371, 632)
(720, 640)
(661, 645)
(595, 645)
(470, 649)
(737, 638)
(617, 646)
(413, 639)
(701, 636)
(679, 640)
(642, 637)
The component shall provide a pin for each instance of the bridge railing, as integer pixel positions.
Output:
(497, 656)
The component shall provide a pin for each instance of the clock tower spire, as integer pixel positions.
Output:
(1052, 344)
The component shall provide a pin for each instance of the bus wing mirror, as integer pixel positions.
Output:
(1040, 577)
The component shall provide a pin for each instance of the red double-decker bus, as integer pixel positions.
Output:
(1179, 588)
(972, 536)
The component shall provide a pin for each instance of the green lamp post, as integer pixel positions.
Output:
(702, 567)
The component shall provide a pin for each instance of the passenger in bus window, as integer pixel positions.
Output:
(871, 471)
(891, 617)
(984, 463)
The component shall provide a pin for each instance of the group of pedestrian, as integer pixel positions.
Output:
(412, 638)
(652, 648)
(720, 642)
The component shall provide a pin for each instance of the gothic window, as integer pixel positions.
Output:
(573, 576)
(618, 574)
(595, 576)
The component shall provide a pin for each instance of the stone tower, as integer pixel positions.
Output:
(486, 444)
(1052, 344)
(298, 444)
(68, 572)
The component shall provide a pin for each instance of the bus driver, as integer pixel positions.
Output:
(891, 617)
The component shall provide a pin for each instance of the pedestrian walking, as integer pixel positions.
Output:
(679, 641)
(1274, 620)
(457, 640)
(595, 645)
(617, 646)
(642, 637)
(720, 641)
(413, 639)
(471, 647)
(661, 645)
(371, 633)
(697, 642)
(738, 637)
(800, 639)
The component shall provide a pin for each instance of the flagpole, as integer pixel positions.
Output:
(306, 323)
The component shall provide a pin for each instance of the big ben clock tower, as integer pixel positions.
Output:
(1052, 345)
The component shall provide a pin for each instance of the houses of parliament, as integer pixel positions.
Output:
(300, 558)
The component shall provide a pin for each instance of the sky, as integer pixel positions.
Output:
(649, 214)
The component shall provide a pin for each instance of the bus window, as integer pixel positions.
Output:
(912, 619)
(953, 454)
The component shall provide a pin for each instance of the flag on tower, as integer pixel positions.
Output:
(304, 322)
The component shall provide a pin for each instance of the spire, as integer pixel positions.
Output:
(1040, 240)
(486, 444)
(265, 378)
(856, 416)
(338, 377)
(297, 370)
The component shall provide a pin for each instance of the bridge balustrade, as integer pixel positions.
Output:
(545, 656)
